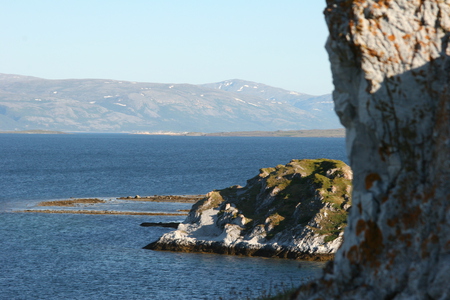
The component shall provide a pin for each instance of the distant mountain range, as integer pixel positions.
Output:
(100, 105)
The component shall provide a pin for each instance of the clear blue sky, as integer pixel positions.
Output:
(279, 43)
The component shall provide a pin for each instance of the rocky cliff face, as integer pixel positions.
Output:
(391, 71)
(296, 210)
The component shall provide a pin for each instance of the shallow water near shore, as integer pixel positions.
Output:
(100, 257)
(73, 256)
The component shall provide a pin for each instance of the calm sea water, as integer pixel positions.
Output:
(64, 256)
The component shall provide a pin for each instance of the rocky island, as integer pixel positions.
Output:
(297, 210)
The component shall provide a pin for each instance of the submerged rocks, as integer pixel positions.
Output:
(160, 224)
(296, 210)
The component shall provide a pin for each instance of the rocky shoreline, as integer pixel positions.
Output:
(71, 202)
(243, 249)
(165, 198)
(83, 202)
(97, 212)
(298, 211)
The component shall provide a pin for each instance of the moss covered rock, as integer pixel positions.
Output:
(297, 210)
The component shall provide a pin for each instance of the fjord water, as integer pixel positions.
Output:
(68, 256)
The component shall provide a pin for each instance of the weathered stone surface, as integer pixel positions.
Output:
(391, 71)
(296, 211)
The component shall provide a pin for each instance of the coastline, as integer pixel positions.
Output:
(328, 133)
(37, 131)
(165, 198)
(59, 205)
(97, 212)
(267, 217)
(268, 251)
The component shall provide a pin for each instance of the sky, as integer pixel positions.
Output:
(278, 43)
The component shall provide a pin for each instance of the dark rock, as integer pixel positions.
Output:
(160, 224)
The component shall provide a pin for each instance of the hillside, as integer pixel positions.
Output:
(100, 105)
(321, 107)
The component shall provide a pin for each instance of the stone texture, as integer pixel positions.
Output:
(391, 71)
(296, 210)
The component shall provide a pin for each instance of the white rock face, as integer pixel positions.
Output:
(207, 231)
(264, 218)
(391, 71)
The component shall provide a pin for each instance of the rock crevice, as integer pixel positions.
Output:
(391, 71)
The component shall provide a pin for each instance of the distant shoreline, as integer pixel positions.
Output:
(328, 133)
(340, 132)
(37, 131)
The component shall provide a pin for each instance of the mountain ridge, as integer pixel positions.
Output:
(104, 105)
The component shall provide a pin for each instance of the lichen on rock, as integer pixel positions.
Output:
(297, 210)
(391, 71)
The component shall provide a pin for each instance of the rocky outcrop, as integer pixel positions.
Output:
(391, 71)
(296, 210)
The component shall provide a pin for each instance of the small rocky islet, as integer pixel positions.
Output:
(55, 206)
(298, 210)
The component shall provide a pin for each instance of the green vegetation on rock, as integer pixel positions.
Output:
(212, 200)
(309, 192)
(297, 210)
